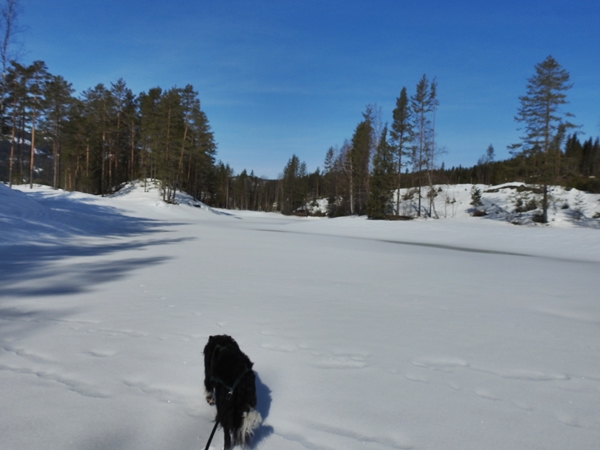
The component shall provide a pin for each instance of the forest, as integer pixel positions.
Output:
(108, 135)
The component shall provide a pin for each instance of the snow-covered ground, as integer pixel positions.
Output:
(516, 203)
(470, 333)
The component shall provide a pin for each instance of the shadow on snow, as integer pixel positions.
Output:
(263, 405)
(36, 261)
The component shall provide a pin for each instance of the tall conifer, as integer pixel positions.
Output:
(545, 124)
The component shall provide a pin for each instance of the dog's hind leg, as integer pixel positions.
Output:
(227, 444)
(250, 421)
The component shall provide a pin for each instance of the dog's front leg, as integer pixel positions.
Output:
(210, 396)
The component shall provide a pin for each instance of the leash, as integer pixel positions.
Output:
(212, 434)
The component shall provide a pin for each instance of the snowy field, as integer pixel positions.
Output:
(465, 334)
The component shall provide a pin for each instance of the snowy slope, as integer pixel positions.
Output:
(451, 334)
(567, 207)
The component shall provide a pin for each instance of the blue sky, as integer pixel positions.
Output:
(283, 77)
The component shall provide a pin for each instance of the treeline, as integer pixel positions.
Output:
(104, 137)
(108, 135)
(576, 165)
(364, 175)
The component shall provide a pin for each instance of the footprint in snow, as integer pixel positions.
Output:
(101, 353)
(522, 405)
(487, 394)
(567, 420)
(340, 362)
(278, 348)
(417, 378)
(441, 364)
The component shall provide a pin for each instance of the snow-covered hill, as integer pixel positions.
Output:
(516, 203)
(437, 334)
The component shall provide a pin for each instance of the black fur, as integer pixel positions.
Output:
(224, 366)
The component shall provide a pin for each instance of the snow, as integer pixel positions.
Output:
(458, 333)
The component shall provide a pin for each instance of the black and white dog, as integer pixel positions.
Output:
(230, 384)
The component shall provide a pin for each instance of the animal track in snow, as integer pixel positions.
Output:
(337, 360)
(447, 365)
(455, 386)
(397, 440)
(101, 353)
(416, 377)
(568, 420)
(72, 383)
(278, 348)
(192, 404)
(79, 321)
(527, 375)
(126, 332)
(487, 394)
(522, 405)
(339, 363)
(268, 333)
(28, 354)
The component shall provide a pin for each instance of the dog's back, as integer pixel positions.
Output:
(230, 383)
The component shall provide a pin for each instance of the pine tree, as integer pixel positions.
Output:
(57, 102)
(545, 125)
(16, 103)
(401, 135)
(75, 148)
(198, 149)
(97, 108)
(36, 75)
(423, 106)
(123, 122)
(149, 131)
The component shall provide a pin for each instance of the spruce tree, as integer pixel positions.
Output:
(383, 177)
(293, 185)
(476, 197)
(360, 155)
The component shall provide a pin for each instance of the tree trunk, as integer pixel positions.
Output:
(31, 157)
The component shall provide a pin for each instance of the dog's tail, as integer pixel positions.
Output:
(250, 422)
